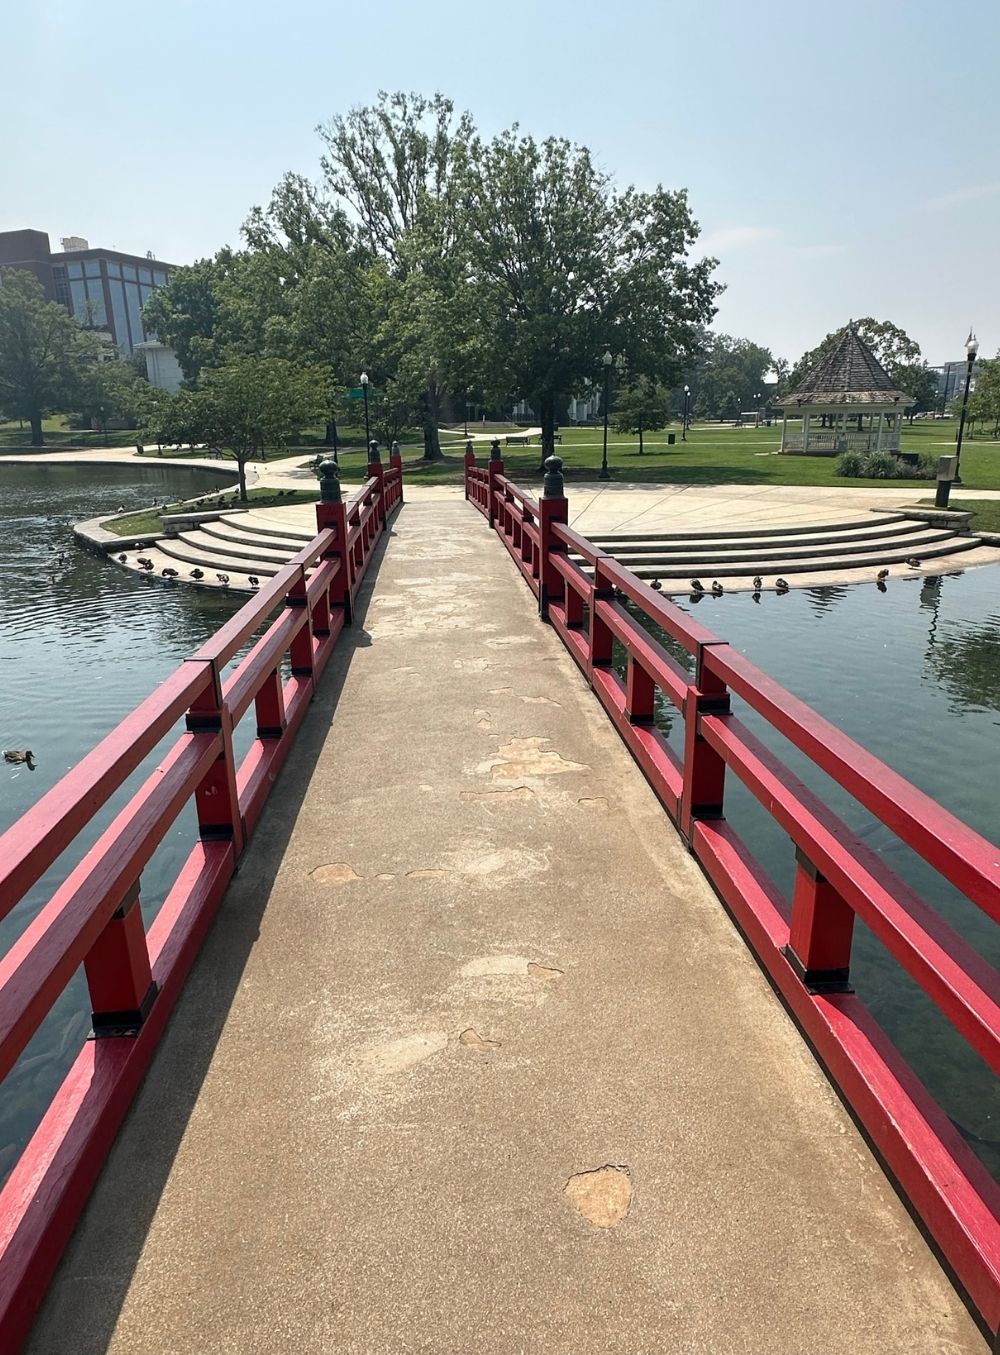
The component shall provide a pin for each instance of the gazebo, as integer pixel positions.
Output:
(854, 399)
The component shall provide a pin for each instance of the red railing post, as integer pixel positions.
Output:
(331, 513)
(494, 470)
(821, 932)
(119, 977)
(376, 471)
(601, 639)
(552, 508)
(396, 463)
(300, 652)
(470, 463)
(704, 768)
(217, 799)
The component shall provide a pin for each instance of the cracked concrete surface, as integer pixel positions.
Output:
(464, 1068)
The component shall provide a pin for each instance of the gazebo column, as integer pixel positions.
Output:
(881, 424)
(805, 431)
(784, 428)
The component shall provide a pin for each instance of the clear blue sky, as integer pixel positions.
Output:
(843, 159)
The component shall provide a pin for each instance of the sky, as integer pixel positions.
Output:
(842, 159)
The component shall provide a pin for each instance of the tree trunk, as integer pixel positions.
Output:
(640, 439)
(429, 404)
(241, 465)
(37, 437)
(330, 436)
(547, 410)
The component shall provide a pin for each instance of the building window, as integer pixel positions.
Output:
(120, 318)
(134, 307)
(159, 277)
(75, 270)
(92, 268)
(146, 276)
(128, 271)
(95, 303)
(114, 269)
(61, 286)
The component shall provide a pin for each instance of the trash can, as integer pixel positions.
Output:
(671, 439)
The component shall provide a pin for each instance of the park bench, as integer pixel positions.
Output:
(516, 441)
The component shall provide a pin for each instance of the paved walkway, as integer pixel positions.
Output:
(473, 1061)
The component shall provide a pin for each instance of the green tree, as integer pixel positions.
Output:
(920, 381)
(112, 390)
(392, 166)
(730, 376)
(643, 407)
(561, 266)
(248, 404)
(44, 355)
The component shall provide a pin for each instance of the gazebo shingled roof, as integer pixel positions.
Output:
(850, 374)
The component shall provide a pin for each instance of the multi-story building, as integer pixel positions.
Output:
(104, 288)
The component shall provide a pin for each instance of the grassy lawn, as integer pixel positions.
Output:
(58, 436)
(985, 512)
(138, 524)
(712, 455)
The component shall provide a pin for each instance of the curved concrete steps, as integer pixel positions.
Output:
(916, 544)
(203, 545)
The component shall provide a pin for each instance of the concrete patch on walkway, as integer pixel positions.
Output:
(603, 1196)
(489, 867)
(398, 1055)
(521, 759)
(597, 804)
(543, 973)
(473, 1040)
(334, 875)
(493, 966)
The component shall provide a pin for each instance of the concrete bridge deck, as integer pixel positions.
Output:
(473, 1059)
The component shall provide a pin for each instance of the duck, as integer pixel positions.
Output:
(169, 573)
(882, 575)
(656, 585)
(122, 559)
(717, 589)
(781, 585)
(758, 583)
(697, 586)
(197, 574)
(253, 581)
(914, 562)
(25, 757)
(223, 579)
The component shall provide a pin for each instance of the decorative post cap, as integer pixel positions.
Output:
(329, 483)
(469, 447)
(394, 449)
(552, 486)
(373, 454)
(495, 453)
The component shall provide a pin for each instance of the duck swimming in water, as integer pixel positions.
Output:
(26, 757)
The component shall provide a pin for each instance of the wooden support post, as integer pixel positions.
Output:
(301, 648)
(601, 639)
(331, 512)
(470, 464)
(553, 507)
(376, 471)
(269, 706)
(396, 463)
(119, 976)
(217, 800)
(494, 471)
(822, 930)
(704, 770)
(640, 694)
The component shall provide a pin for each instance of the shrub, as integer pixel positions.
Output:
(928, 467)
(880, 466)
(850, 463)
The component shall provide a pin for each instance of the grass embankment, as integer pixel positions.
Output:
(152, 520)
(985, 512)
(15, 439)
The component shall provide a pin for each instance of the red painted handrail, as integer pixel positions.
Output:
(94, 917)
(803, 943)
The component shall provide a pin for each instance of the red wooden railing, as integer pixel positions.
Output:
(94, 918)
(803, 944)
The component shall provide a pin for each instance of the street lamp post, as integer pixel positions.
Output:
(607, 360)
(364, 388)
(756, 412)
(971, 349)
(684, 421)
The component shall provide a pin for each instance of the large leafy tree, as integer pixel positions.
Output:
(44, 355)
(112, 390)
(392, 166)
(920, 381)
(562, 266)
(729, 377)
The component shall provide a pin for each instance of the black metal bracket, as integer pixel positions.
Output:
(819, 981)
(110, 1025)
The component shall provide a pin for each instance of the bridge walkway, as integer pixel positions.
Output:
(473, 1059)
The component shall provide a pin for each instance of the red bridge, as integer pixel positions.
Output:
(470, 1060)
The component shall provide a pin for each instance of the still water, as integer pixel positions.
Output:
(81, 643)
(912, 674)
